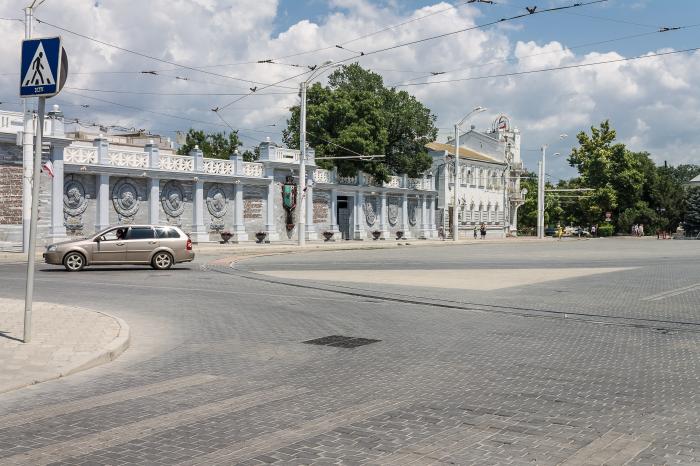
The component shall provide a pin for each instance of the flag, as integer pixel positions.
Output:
(48, 168)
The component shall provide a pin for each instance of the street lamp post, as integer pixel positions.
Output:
(540, 191)
(455, 202)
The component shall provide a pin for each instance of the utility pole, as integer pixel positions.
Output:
(540, 195)
(301, 230)
(455, 201)
(31, 259)
(27, 152)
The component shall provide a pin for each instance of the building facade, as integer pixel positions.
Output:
(489, 180)
(101, 182)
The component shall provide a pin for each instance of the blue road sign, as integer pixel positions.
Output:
(41, 74)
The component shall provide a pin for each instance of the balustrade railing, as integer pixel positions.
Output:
(351, 180)
(394, 182)
(218, 167)
(177, 163)
(129, 159)
(80, 155)
(322, 176)
(415, 183)
(253, 169)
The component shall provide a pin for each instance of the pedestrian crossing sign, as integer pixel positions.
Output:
(42, 74)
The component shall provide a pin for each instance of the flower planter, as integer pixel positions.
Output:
(260, 236)
(376, 234)
(226, 236)
(399, 235)
(328, 235)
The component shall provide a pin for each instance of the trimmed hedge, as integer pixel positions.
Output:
(606, 230)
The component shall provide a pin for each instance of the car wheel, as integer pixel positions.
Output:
(162, 261)
(74, 262)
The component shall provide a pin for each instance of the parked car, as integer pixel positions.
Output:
(550, 231)
(159, 246)
(581, 232)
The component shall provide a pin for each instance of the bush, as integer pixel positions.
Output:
(606, 230)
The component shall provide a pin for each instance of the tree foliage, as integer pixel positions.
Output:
(692, 215)
(356, 114)
(212, 145)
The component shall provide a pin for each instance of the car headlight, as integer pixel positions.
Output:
(51, 248)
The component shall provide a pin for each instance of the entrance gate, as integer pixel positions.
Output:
(345, 204)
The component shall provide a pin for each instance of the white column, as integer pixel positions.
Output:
(153, 184)
(359, 215)
(311, 232)
(383, 227)
(102, 212)
(27, 175)
(334, 213)
(431, 218)
(425, 230)
(58, 228)
(199, 231)
(270, 229)
(239, 233)
(405, 225)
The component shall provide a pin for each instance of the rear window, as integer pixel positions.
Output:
(164, 232)
(140, 233)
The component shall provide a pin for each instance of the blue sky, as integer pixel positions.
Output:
(653, 103)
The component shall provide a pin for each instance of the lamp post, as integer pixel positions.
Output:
(455, 202)
(540, 191)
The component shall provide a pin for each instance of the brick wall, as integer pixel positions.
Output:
(10, 194)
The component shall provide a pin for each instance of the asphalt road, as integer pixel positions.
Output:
(582, 369)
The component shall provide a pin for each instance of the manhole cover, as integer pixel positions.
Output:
(340, 341)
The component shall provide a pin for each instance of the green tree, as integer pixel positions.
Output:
(692, 214)
(527, 213)
(356, 113)
(212, 145)
(251, 155)
(683, 173)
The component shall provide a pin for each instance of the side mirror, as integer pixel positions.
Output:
(98, 239)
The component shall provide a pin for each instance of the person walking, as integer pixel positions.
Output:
(593, 230)
(476, 229)
(640, 230)
(560, 231)
(483, 231)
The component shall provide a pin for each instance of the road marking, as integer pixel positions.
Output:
(671, 293)
(128, 432)
(611, 448)
(45, 412)
(246, 449)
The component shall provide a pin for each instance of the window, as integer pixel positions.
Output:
(112, 235)
(166, 232)
(139, 233)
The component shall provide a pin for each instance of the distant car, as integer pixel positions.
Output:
(578, 231)
(154, 245)
(549, 231)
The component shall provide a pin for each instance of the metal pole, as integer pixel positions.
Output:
(539, 198)
(31, 253)
(26, 149)
(455, 201)
(544, 178)
(302, 168)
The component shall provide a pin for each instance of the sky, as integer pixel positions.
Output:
(215, 46)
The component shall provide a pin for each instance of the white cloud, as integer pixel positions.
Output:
(652, 102)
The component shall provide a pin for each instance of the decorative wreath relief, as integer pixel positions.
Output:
(369, 213)
(393, 213)
(125, 198)
(216, 201)
(172, 198)
(412, 207)
(74, 201)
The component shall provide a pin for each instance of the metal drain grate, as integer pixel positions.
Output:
(340, 341)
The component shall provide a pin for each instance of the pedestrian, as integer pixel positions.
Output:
(483, 231)
(476, 229)
(441, 233)
(641, 230)
(635, 231)
(560, 231)
(593, 230)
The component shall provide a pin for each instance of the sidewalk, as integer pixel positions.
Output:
(65, 340)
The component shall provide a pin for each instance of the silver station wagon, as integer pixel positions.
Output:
(154, 245)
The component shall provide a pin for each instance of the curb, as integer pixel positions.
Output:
(111, 352)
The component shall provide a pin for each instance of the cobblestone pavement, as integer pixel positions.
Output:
(218, 373)
(65, 339)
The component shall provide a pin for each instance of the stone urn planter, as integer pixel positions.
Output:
(399, 235)
(376, 234)
(328, 235)
(260, 236)
(226, 236)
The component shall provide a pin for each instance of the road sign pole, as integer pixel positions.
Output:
(27, 154)
(31, 253)
(302, 169)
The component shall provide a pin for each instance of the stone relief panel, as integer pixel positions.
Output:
(126, 200)
(217, 205)
(172, 199)
(393, 209)
(370, 208)
(74, 205)
(412, 212)
(321, 207)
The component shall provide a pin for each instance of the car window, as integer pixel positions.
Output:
(113, 234)
(139, 233)
(166, 232)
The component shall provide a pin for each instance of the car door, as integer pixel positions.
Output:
(140, 241)
(110, 247)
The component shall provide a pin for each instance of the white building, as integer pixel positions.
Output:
(489, 178)
(695, 181)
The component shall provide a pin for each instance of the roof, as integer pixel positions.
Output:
(695, 180)
(463, 152)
